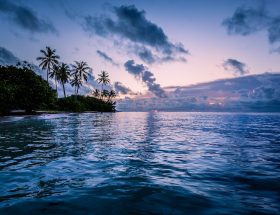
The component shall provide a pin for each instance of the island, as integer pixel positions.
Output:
(22, 90)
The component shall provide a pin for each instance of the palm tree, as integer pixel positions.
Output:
(76, 82)
(104, 94)
(112, 94)
(53, 73)
(103, 78)
(63, 75)
(48, 60)
(96, 93)
(80, 73)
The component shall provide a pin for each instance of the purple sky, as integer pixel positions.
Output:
(178, 42)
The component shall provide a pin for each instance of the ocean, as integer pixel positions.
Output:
(140, 163)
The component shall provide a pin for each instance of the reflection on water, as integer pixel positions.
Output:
(139, 163)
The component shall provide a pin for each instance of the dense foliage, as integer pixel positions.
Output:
(21, 88)
(84, 103)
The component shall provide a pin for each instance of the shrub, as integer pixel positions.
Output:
(21, 88)
(84, 103)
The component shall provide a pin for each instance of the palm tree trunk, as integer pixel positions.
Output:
(102, 92)
(48, 75)
(64, 90)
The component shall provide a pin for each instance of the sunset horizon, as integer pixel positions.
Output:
(126, 107)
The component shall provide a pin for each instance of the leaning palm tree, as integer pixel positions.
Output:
(96, 93)
(103, 79)
(63, 75)
(80, 72)
(48, 60)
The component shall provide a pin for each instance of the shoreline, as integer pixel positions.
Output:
(23, 113)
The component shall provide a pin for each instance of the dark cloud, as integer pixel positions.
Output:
(7, 57)
(248, 93)
(180, 48)
(134, 69)
(147, 77)
(274, 30)
(146, 55)
(106, 57)
(26, 18)
(171, 58)
(235, 66)
(120, 88)
(247, 21)
(131, 24)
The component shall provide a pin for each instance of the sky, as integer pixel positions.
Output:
(148, 44)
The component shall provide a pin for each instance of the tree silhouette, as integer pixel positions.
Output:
(103, 79)
(104, 94)
(96, 93)
(48, 60)
(54, 74)
(22, 88)
(63, 75)
(112, 94)
(80, 73)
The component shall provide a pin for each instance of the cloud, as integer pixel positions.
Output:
(147, 77)
(274, 30)
(235, 66)
(106, 57)
(7, 57)
(246, 21)
(248, 93)
(120, 88)
(146, 55)
(134, 69)
(26, 18)
(262, 92)
(131, 24)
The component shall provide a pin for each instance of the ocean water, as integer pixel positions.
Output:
(140, 163)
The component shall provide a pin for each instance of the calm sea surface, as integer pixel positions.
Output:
(140, 163)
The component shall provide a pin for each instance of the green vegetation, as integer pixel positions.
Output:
(84, 103)
(21, 88)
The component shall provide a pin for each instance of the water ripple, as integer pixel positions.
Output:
(140, 163)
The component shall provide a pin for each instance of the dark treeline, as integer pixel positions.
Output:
(21, 88)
